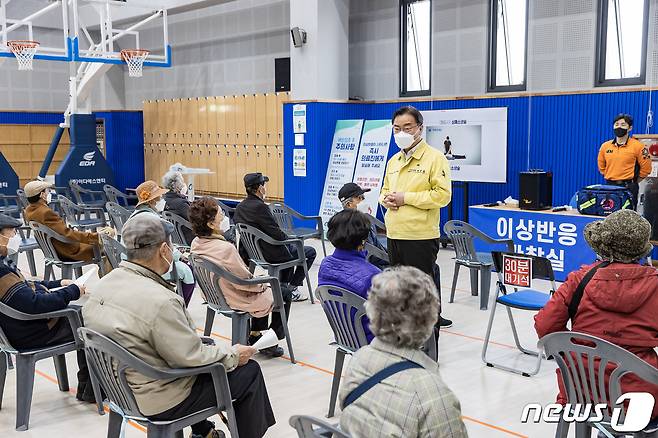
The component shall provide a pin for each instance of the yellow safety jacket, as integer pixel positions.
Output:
(424, 178)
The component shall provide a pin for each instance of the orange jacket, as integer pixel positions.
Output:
(617, 163)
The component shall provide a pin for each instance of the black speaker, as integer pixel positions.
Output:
(281, 74)
(535, 190)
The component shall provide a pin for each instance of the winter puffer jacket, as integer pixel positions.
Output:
(349, 270)
(619, 304)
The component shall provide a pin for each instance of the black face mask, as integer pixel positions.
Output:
(620, 132)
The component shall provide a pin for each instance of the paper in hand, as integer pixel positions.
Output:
(269, 339)
(80, 281)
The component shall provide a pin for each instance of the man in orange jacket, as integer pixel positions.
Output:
(624, 161)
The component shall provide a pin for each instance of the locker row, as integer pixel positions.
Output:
(228, 162)
(244, 119)
(25, 147)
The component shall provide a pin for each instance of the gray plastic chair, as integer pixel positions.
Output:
(78, 216)
(380, 227)
(86, 197)
(373, 251)
(584, 380)
(522, 299)
(179, 224)
(228, 211)
(113, 250)
(311, 427)
(26, 359)
(13, 206)
(345, 312)
(108, 363)
(284, 217)
(45, 237)
(118, 215)
(10, 206)
(118, 197)
(251, 238)
(463, 235)
(208, 274)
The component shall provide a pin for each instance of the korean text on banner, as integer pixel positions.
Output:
(340, 170)
(517, 271)
(558, 237)
(369, 173)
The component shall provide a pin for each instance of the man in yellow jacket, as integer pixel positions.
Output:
(624, 161)
(416, 185)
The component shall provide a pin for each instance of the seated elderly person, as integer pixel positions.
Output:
(149, 200)
(210, 223)
(34, 297)
(254, 212)
(351, 197)
(39, 196)
(176, 199)
(620, 301)
(136, 308)
(402, 306)
(347, 267)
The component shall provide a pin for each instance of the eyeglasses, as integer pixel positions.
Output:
(408, 129)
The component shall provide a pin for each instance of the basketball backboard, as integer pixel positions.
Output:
(94, 30)
(45, 22)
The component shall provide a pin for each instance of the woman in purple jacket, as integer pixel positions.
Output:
(347, 267)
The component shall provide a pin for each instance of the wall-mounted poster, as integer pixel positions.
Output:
(340, 170)
(369, 173)
(473, 140)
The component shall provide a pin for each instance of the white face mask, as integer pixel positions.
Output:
(225, 225)
(403, 140)
(363, 207)
(14, 243)
(160, 205)
(184, 190)
(49, 197)
(171, 264)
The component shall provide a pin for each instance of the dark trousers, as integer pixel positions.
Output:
(61, 333)
(631, 185)
(258, 324)
(420, 254)
(296, 277)
(253, 412)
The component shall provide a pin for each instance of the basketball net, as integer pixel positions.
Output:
(135, 59)
(24, 52)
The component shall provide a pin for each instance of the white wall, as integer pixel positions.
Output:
(44, 88)
(319, 69)
(561, 47)
(223, 50)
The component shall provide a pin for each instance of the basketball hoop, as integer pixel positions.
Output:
(135, 59)
(24, 52)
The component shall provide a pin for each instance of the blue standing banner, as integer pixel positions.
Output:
(557, 236)
(8, 178)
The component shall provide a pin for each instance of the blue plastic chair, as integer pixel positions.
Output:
(525, 299)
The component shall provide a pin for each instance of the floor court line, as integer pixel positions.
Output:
(317, 368)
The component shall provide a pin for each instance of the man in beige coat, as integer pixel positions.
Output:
(136, 308)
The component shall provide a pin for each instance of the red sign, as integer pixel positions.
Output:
(517, 271)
